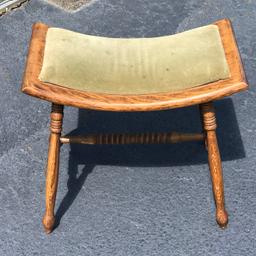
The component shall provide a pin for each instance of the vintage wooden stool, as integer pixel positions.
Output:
(136, 74)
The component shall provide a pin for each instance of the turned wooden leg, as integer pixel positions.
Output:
(52, 166)
(209, 122)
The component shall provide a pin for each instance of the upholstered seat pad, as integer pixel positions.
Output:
(134, 65)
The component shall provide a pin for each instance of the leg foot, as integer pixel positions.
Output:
(222, 218)
(48, 223)
(52, 167)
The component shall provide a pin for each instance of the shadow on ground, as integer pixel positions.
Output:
(185, 120)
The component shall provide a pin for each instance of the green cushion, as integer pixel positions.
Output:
(134, 65)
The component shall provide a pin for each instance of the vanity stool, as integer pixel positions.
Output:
(195, 67)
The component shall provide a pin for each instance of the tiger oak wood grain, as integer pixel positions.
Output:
(141, 102)
(52, 167)
(209, 123)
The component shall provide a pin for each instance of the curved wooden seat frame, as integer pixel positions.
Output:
(201, 95)
(146, 102)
